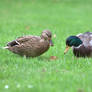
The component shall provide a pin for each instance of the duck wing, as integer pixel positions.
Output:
(86, 38)
(23, 40)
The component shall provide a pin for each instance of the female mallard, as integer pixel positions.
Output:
(31, 46)
(82, 44)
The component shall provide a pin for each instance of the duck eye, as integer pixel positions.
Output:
(48, 35)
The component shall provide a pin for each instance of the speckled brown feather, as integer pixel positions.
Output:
(30, 46)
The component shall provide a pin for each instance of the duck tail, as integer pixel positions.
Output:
(4, 47)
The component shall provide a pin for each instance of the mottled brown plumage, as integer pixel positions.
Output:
(85, 49)
(31, 46)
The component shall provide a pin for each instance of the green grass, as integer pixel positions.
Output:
(63, 18)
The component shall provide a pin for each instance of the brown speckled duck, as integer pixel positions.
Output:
(81, 44)
(31, 46)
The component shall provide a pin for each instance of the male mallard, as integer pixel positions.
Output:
(82, 44)
(31, 46)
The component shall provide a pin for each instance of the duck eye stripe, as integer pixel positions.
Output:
(48, 35)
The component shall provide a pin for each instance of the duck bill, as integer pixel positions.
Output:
(51, 43)
(66, 50)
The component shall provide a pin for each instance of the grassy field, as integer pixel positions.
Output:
(63, 18)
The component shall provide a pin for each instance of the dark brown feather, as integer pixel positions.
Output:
(13, 43)
(82, 51)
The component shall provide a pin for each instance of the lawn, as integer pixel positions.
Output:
(30, 17)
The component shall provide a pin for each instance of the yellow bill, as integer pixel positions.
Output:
(66, 49)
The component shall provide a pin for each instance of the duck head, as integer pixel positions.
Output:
(72, 41)
(47, 35)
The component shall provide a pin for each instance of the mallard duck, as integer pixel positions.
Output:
(81, 44)
(31, 46)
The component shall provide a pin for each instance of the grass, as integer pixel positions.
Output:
(63, 18)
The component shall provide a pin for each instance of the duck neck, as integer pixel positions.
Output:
(78, 46)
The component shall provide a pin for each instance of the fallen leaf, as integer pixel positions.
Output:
(44, 70)
(27, 27)
(57, 70)
(80, 90)
(53, 58)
